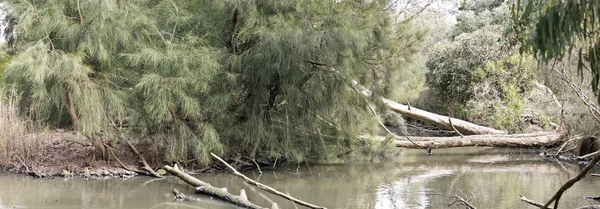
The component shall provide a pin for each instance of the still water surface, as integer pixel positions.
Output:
(493, 178)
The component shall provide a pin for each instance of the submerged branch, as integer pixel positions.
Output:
(571, 182)
(206, 188)
(531, 202)
(265, 187)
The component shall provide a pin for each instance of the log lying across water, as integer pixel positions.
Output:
(446, 122)
(206, 188)
(537, 139)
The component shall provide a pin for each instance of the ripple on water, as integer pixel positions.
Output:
(409, 191)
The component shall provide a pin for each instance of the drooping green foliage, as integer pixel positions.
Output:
(557, 29)
(264, 78)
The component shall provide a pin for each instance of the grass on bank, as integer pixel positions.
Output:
(16, 135)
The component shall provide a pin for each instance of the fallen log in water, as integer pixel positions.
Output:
(220, 193)
(452, 124)
(267, 188)
(537, 139)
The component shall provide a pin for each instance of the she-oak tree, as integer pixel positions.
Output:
(259, 78)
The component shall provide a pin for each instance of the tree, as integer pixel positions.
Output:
(91, 64)
(475, 75)
(553, 30)
(259, 78)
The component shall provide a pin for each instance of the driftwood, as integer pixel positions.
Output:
(459, 125)
(206, 188)
(507, 140)
(267, 188)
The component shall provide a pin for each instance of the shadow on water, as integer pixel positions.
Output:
(493, 178)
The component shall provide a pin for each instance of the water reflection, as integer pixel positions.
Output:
(492, 177)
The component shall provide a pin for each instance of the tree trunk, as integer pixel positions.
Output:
(462, 126)
(71, 108)
(507, 140)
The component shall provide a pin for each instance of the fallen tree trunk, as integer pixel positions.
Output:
(452, 124)
(206, 188)
(446, 122)
(506, 140)
(267, 188)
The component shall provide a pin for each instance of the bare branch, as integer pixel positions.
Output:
(265, 187)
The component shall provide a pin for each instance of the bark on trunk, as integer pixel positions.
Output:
(462, 126)
(268, 188)
(206, 188)
(71, 108)
(508, 140)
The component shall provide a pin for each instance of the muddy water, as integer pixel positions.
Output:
(492, 178)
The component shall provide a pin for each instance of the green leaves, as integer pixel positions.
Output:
(204, 76)
(553, 30)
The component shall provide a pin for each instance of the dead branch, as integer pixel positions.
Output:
(145, 167)
(180, 196)
(571, 182)
(531, 202)
(265, 187)
(594, 109)
(119, 161)
(597, 198)
(595, 174)
(454, 128)
(588, 155)
(464, 202)
(31, 173)
(260, 193)
(206, 188)
(563, 146)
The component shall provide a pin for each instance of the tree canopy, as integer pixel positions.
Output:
(553, 30)
(204, 76)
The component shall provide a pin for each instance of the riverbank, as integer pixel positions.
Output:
(488, 177)
(65, 153)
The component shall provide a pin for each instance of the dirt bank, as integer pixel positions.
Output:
(65, 153)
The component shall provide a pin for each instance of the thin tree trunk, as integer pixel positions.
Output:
(506, 140)
(71, 108)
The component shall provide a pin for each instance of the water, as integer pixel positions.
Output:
(491, 178)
